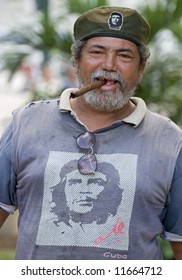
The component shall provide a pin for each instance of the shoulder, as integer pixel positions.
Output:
(162, 123)
(36, 108)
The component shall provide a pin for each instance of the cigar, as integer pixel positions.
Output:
(83, 90)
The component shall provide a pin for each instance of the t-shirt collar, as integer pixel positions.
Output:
(134, 118)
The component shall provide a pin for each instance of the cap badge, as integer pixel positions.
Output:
(115, 21)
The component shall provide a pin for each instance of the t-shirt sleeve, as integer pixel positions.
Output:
(173, 218)
(8, 201)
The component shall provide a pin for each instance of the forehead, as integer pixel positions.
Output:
(114, 15)
(111, 42)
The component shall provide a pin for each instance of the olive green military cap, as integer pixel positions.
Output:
(116, 22)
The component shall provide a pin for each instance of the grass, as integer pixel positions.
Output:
(7, 254)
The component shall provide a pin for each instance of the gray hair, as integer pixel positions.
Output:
(77, 47)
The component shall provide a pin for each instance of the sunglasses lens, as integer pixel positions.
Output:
(87, 164)
(86, 140)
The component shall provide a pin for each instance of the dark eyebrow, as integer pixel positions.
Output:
(97, 46)
(100, 181)
(117, 50)
(125, 50)
(75, 181)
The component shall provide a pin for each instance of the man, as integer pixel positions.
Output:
(115, 21)
(106, 125)
(83, 206)
(90, 193)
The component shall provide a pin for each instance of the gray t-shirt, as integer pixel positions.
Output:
(115, 213)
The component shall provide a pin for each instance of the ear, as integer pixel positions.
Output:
(141, 71)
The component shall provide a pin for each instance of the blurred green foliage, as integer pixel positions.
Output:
(7, 254)
(162, 82)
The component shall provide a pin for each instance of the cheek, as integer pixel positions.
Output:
(96, 189)
(88, 64)
(131, 74)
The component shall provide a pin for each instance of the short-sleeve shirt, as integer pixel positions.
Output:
(116, 213)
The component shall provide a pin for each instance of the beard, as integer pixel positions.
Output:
(107, 101)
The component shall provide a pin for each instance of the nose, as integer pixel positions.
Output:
(109, 63)
(85, 187)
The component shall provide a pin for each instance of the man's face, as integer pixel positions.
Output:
(118, 60)
(115, 19)
(82, 191)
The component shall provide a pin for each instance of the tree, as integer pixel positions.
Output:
(161, 86)
(43, 35)
(42, 5)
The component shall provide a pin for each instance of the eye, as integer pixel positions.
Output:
(98, 181)
(74, 182)
(125, 56)
(96, 52)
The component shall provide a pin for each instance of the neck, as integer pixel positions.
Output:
(95, 119)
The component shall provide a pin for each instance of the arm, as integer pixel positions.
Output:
(173, 219)
(7, 177)
(177, 249)
(3, 217)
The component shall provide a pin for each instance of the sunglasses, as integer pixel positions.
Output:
(87, 164)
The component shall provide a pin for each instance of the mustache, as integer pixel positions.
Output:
(86, 200)
(104, 75)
